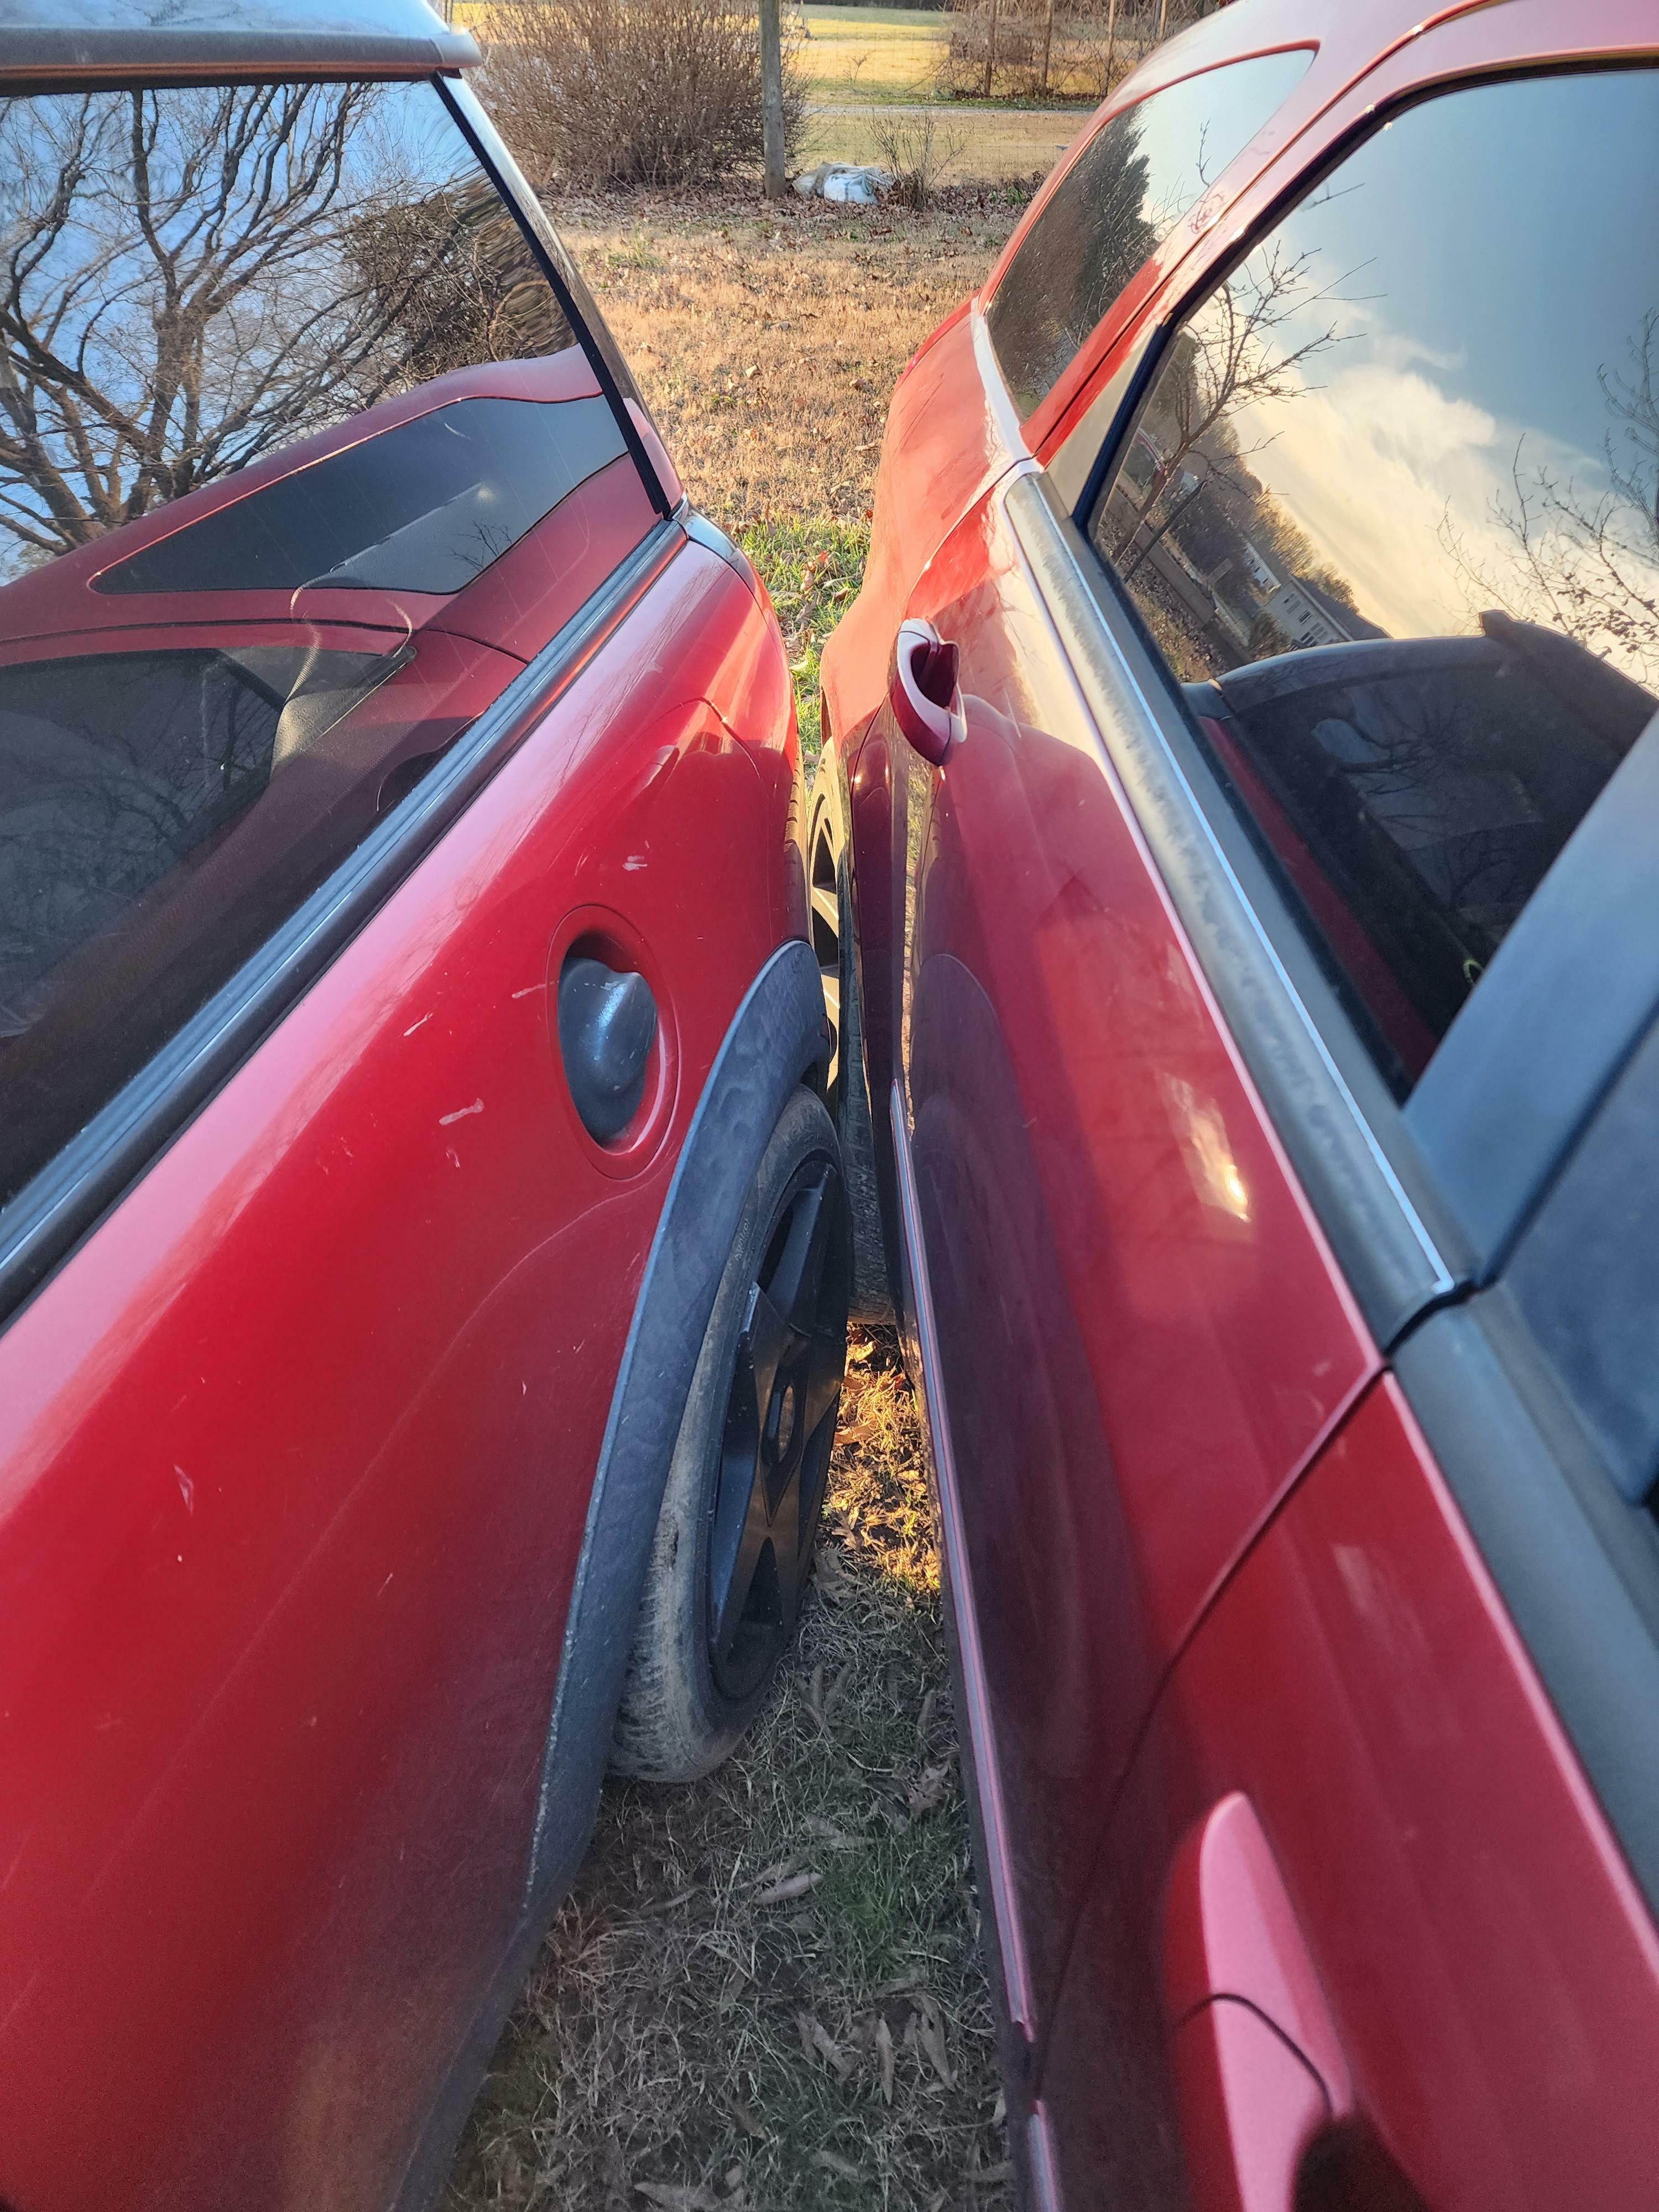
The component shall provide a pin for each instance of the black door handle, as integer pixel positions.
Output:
(607, 1026)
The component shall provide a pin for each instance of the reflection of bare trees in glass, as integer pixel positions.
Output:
(191, 278)
(1232, 356)
(1583, 561)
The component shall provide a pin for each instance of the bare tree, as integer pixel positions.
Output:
(1585, 560)
(191, 278)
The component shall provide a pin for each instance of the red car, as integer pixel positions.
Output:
(1233, 856)
(423, 1243)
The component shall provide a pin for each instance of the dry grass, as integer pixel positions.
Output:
(766, 1990)
(767, 342)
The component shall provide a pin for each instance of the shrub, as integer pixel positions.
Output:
(915, 153)
(637, 91)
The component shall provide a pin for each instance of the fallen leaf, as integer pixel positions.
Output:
(673, 2197)
(747, 2122)
(884, 2057)
(832, 2163)
(931, 2029)
(999, 2110)
(925, 1718)
(783, 1893)
(1002, 2172)
(833, 1579)
(776, 1872)
(927, 1793)
(826, 1832)
(815, 2036)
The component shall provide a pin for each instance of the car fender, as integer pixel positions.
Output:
(778, 1039)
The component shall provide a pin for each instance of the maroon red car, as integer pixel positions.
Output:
(422, 1252)
(1233, 863)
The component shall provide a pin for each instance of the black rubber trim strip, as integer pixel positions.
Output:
(702, 531)
(778, 1036)
(1265, 980)
(37, 55)
(1577, 1568)
(596, 343)
(52, 1212)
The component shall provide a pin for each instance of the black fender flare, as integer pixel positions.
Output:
(778, 1037)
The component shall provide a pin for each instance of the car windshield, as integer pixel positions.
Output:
(299, 463)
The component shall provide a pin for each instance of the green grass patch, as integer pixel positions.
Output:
(812, 567)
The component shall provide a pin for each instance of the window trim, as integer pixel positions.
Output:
(53, 1212)
(610, 371)
(1478, 1202)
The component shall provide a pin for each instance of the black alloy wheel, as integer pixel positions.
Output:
(780, 1425)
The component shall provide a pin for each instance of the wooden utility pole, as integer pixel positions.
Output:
(990, 50)
(1048, 45)
(772, 99)
(1111, 44)
(1163, 16)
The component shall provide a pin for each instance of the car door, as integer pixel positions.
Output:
(319, 1260)
(1372, 1920)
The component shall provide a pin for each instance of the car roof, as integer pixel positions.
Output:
(85, 40)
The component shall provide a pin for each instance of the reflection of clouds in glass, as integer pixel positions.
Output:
(1409, 490)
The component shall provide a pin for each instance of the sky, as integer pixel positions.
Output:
(1485, 258)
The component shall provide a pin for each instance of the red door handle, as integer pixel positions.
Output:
(1259, 2070)
(926, 694)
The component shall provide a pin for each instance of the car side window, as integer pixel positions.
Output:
(1127, 190)
(1390, 512)
(299, 463)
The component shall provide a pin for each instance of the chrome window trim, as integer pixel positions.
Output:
(53, 1212)
(1399, 1251)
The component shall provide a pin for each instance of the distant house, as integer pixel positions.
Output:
(1309, 617)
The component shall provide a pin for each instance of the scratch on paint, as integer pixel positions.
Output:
(530, 990)
(385, 1585)
(452, 1156)
(186, 1488)
(460, 1113)
(421, 1025)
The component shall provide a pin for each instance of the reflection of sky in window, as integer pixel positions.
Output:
(91, 293)
(1190, 131)
(1496, 251)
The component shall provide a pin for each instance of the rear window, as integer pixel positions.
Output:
(300, 462)
(1116, 204)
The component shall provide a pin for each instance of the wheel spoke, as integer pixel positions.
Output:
(826, 906)
(729, 1590)
(767, 1340)
(793, 1287)
(820, 1385)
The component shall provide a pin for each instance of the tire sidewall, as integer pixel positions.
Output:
(676, 1722)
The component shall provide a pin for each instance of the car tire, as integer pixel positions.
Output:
(734, 1539)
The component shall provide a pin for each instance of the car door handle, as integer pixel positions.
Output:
(1259, 2070)
(607, 1026)
(926, 694)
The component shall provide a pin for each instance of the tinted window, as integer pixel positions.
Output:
(299, 462)
(1389, 511)
(1116, 204)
